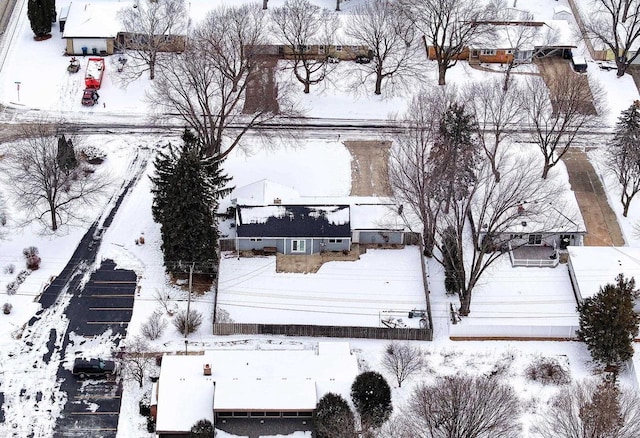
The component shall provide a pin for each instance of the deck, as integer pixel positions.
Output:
(533, 256)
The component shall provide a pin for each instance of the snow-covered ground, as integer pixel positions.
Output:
(46, 87)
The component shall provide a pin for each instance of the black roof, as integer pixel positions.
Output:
(294, 221)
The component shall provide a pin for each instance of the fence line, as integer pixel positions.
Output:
(406, 334)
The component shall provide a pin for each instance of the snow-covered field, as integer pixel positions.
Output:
(506, 293)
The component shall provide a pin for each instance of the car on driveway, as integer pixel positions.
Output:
(362, 59)
(93, 368)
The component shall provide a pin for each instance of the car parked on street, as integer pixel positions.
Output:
(93, 368)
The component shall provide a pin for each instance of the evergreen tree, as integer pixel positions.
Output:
(455, 154)
(608, 323)
(187, 189)
(453, 281)
(66, 155)
(371, 395)
(40, 16)
(333, 418)
(623, 154)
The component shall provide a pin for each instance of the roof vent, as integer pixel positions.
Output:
(277, 201)
(207, 369)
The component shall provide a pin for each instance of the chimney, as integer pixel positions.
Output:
(207, 369)
(277, 201)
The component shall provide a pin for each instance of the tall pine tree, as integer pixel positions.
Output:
(41, 14)
(187, 189)
(608, 323)
(623, 154)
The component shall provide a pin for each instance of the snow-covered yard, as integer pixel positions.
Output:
(382, 284)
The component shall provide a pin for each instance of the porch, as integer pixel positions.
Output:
(534, 256)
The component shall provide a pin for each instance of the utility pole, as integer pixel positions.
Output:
(186, 321)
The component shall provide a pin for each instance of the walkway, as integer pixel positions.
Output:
(599, 218)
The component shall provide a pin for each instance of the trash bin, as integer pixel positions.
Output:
(94, 51)
(84, 51)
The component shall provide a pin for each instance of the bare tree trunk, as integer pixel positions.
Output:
(264, 4)
(442, 71)
(546, 169)
(338, 5)
(307, 88)
(378, 90)
(152, 67)
(626, 202)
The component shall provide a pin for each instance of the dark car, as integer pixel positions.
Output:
(93, 368)
(363, 59)
(90, 97)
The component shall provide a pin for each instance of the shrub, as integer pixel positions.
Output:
(9, 269)
(33, 259)
(187, 325)
(12, 287)
(202, 429)
(371, 396)
(548, 371)
(155, 325)
(22, 276)
(6, 308)
(151, 424)
(333, 418)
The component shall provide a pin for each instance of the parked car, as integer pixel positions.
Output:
(90, 97)
(579, 64)
(362, 59)
(93, 368)
(333, 60)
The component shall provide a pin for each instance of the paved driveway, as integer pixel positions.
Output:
(599, 218)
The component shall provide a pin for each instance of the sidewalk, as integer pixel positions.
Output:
(599, 218)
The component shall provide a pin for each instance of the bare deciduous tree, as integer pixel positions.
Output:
(44, 186)
(206, 85)
(136, 360)
(409, 165)
(301, 25)
(616, 24)
(448, 26)
(462, 406)
(392, 40)
(497, 110)
(559, 112)
(591, 409)
(402, 360)
(151, 27)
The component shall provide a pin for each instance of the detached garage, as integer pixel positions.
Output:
(91, 28)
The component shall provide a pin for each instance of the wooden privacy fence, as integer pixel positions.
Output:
(325, 331)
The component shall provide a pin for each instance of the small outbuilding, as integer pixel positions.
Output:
(90, 28)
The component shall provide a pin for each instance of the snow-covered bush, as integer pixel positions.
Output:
(22, 276)
(92, 155)
(548, 371)
(6, 308)
(9, 269)
(33, 259)
(188, 325)
(12, 287)
(155, 325)
(202, 429)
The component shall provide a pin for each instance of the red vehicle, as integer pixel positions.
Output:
(93, 76)
(90, 97)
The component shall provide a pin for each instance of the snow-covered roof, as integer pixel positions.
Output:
(264, 192)
(97, 19)
(562, 9)
(596, 266)
(552, 33)
(250, 380)
(376, 217)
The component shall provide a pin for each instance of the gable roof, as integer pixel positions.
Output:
(293, 221)
(97, 19)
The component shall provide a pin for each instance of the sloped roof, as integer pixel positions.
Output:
(293, 221)
(264, 192)
(98, 19)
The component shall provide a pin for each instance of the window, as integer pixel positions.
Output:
(509, 52)
(321, 49)
(488, 52)
(338, 48)
(515, 236)
(302, 48)
(335, 240)
(298, 246)
(535, 239)
(256, 239)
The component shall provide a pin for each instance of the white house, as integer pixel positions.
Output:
(223, 385)
(92, 27)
